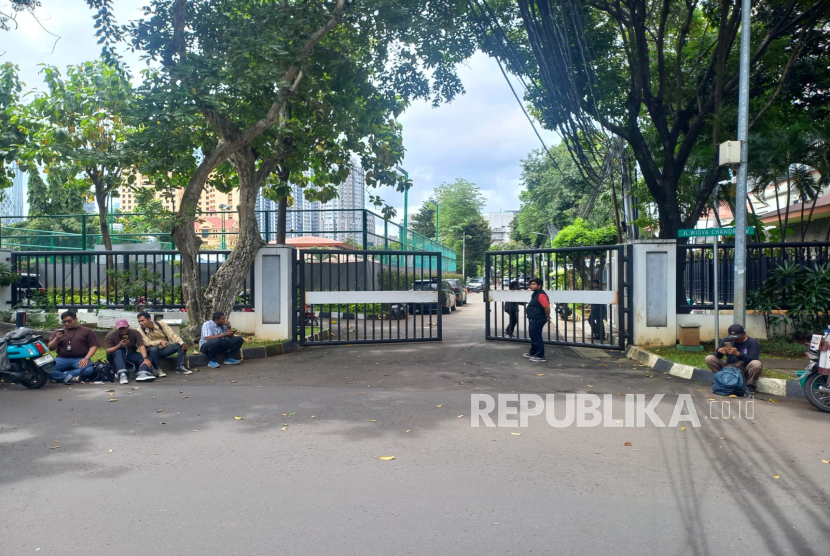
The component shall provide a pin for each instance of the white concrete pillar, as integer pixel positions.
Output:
(273, 280)
(654, 292)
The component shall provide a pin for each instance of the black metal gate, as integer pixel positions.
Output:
(350, 297)
(589, 289)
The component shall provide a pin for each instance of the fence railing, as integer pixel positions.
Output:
(358, 228)
(140, 280)
(696, 266)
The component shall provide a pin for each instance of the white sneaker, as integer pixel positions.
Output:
(144, 376)
(159, 373)
(122, 377)
(538, 359)
(527, 355)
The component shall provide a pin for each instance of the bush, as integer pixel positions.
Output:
(802, 291)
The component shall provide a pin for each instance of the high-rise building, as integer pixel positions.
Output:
(11, 199)
(209, 200)
(500, 224)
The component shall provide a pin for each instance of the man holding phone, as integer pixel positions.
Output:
(740, 351)
(75, 345)
(123, 346)
(218, 338)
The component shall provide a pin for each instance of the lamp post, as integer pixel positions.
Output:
(436, 222)
(740, 191)
(223, 245)
(405, 204)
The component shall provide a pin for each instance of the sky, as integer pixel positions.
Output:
(482, 136)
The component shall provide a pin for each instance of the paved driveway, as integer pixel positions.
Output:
(169, 470)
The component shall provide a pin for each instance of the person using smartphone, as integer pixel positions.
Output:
(75, 345)
(740, 351)
(123, 346)
(218, 338)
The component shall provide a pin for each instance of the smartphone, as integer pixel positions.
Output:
(727, 344)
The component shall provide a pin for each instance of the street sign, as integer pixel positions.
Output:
(694, 232)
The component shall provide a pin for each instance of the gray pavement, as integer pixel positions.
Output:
(191, 479)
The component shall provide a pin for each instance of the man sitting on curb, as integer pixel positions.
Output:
(123, 345)
(744, 354)
(75, 345)
(219, 339)
(162, 342)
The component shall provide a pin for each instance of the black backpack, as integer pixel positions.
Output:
(104, 372)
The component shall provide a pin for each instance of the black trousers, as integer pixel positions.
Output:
(157, 353)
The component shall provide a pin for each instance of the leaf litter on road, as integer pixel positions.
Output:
(385, 458)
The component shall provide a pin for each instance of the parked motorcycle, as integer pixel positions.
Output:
(562, 310)
(24, 358)
(816, 385)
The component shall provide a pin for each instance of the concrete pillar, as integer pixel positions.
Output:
(273, 291)
(654, 292)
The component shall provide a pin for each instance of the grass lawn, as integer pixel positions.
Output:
(770, 349)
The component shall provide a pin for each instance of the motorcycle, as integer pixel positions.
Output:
(562, 310)
(816, 385)
(29, 360)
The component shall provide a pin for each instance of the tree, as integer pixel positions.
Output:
(788, 154)
(556, 193)
(12, 133)
(250, 84)
(581, 234)
(459, 203)
(662, 77)
(478, 240)
(424, 220)
(81, 122)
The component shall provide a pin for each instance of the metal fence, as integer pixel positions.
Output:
(589, 289)
(349, 297)
(696, 266)
(141, 280)
(356, 228)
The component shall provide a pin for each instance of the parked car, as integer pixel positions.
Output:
(446, 297)
(459, 289)
(476, 285)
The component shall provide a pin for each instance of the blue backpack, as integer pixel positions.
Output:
(728, 381)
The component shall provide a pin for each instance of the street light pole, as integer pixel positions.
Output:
(405, 205)
(740, 190)
(464, 255)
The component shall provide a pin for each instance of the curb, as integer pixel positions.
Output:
(773, 386)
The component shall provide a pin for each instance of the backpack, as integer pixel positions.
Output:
(728, 381)
(104, 372)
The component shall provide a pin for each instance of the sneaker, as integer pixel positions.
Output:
(145, 376)
(184, 371)
(72, 380)
(528, 355)
(232, 361)
(538, 359)
(213, 364)
(159, 373)
(122, 377)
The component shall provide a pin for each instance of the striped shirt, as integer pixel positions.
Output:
(210, 328)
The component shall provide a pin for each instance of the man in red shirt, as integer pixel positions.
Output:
(538, 313)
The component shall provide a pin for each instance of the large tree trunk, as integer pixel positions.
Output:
(227, 281)
(188, 244)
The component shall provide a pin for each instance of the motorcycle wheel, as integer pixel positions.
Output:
(820, 400)
(35, 377)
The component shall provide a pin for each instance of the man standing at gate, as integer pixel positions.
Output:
(538, 313)
(597, 318)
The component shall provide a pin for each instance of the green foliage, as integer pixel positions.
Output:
(424, 221)
(136, 283)
(556, 193)
(12, 134)
(581, 234)
(803, 292)
(8, 276)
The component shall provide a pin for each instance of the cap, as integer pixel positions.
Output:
(122, 323)
(736, 331)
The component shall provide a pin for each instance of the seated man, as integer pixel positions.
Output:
(75, 346)
(744, 353)
(161, 342)
(219, 339)
(123, 345)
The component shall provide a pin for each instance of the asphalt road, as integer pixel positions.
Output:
(129, 479)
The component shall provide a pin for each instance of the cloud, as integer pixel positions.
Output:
(481, 136)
